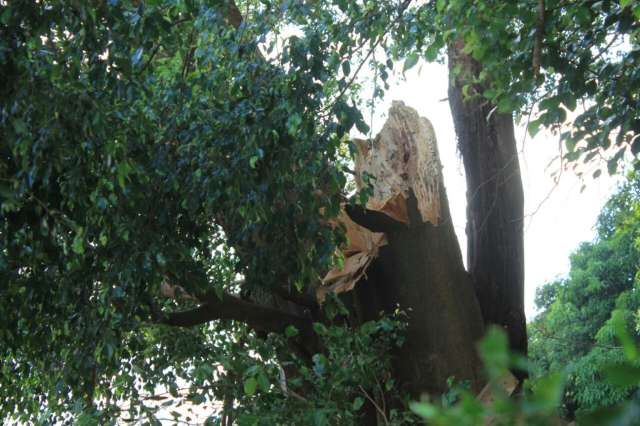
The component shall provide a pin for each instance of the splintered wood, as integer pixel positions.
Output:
(401, 160)
(362, 248)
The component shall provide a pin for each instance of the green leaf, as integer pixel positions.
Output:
(346, 68)
(424, 409)
(362, 127)
(410, 62)
(291, 331)
(293, 123)
(250, 386)
(548, 391)
(506, 104)
(622, 374)
(137, 56)
(357, 403)
(635, 146)
(5, 16)
(320, 328)
(6, 192)
(612, 165)
(569, 101)
(162, 261)
(263, 382)
(19, 126)
(78, 242)
(122, 172)
(494, 351)
(533, 128)
(620, 327)
(431, 54)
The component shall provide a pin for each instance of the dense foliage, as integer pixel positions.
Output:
(575, 330)
(151, 142)
(196, 144)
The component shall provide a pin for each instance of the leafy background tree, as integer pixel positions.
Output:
(574, 331)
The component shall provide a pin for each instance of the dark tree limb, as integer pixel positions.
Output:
(374, 221)
(495, 201)
(233, 15)
(258, 317)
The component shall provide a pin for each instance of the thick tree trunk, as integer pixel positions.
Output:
(495, 202)
(421, 271)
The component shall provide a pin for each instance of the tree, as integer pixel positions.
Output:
(172, 187)
(575, 330)
(163, 171)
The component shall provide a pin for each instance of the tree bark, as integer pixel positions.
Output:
(495, 201)
(421, 272)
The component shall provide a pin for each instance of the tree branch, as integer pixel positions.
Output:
(258, 317)
(373, 220)
(233, 15)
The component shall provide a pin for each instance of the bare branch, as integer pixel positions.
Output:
(258, 317)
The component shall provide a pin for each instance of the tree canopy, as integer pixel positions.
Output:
(575, 330)
(163, 142)
(166, 163)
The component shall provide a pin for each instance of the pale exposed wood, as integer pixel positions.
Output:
(403, 158)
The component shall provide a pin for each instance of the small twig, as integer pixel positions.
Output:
(369, 53)
(606, 48)
(377, 407)
(54, 213)
(551, 191)
(282, 379)
(384, 403)
(187, 58)
(153, 54)
(549, 335)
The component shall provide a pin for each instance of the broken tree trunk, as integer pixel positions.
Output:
(420, 267)
(495, 201)
(402, 253)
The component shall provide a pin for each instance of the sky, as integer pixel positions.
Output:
(558, 216)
